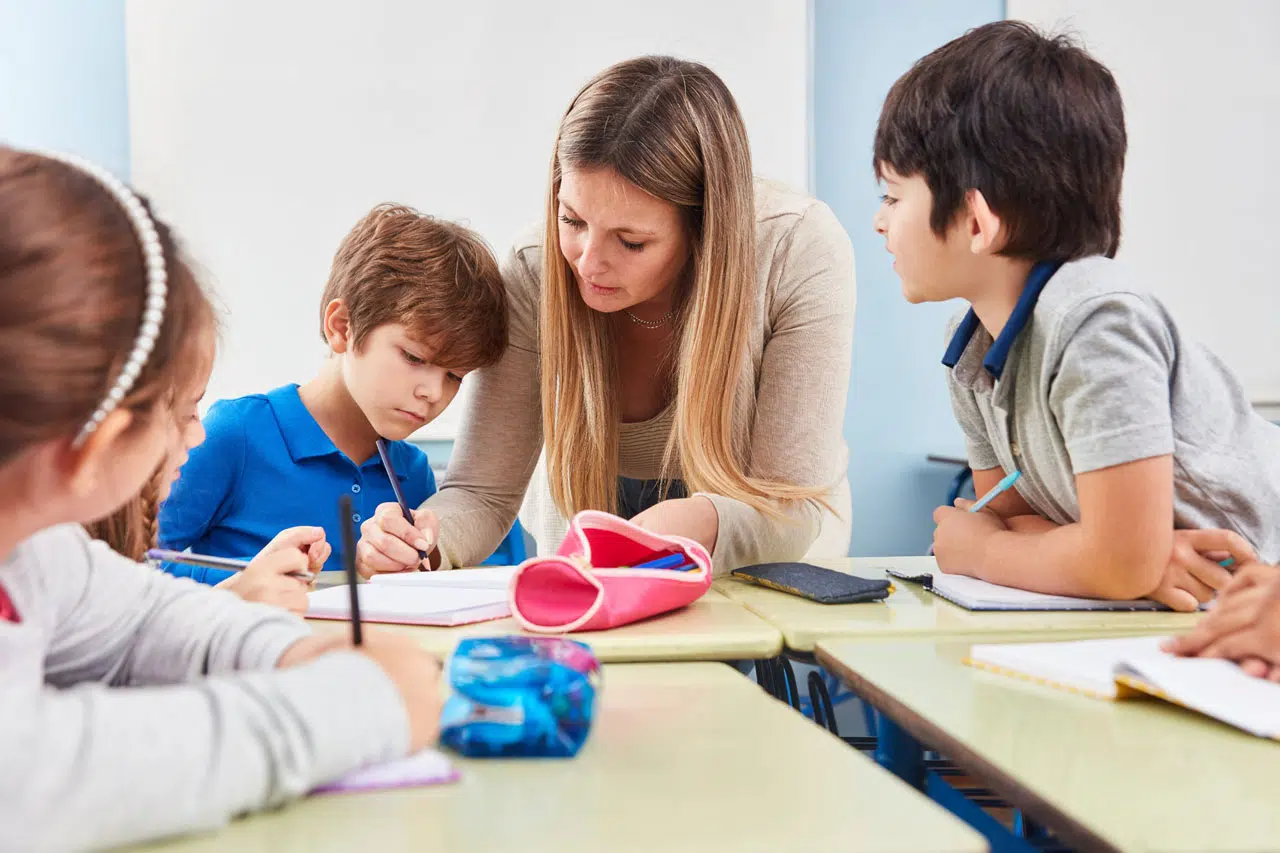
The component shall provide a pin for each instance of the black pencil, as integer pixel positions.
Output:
(349, 563)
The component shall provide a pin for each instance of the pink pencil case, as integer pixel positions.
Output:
(591, 583)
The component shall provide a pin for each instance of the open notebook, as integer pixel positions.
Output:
(973, 594)
(1123, 668)
(412, 605)
(485, 577)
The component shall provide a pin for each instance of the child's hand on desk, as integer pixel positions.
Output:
(268, 578)
(961, 537)
(415, 674)
(1193, 575)
(388, 543)
(1244, 625)
(308, 540)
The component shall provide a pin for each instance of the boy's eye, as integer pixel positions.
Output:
(412, 359)
(575, 224)
(888, 200)
(455, 377)
(634, 247)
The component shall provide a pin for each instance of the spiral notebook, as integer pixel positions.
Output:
(973, 594)
(1135, 666)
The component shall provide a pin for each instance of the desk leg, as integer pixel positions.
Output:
(899, 753)
(777, 677)
(824, 713)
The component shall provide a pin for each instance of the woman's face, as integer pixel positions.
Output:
(626, 247)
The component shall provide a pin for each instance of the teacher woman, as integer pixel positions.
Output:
(680, 344)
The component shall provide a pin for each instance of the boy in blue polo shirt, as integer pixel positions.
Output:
(411, 306)
(1002, 155)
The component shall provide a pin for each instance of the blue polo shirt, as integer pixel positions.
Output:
(266, 465)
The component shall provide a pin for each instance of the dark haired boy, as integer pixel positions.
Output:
(1002, 156)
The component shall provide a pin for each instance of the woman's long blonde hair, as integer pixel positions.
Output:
(672, 128)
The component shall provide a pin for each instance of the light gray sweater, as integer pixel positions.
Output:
(135, 705)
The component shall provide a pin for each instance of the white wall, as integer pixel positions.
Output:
(1201, 85)
(265, 130)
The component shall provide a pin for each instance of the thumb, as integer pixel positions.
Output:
(426, 521)
(963, 503)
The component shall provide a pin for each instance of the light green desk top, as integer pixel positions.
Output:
(684, 757)
(713, 628)
(1138, 775)
(911, 611)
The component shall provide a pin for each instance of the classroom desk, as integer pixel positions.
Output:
(711, 629)
(1132, 775)
(684, 757)
(911, 611)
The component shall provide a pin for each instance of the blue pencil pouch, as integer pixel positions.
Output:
(520, 696)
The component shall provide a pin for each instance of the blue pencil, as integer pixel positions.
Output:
(1001, 487)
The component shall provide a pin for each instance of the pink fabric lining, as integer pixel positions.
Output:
(588, 585)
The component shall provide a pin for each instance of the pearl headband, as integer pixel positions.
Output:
(157, 287)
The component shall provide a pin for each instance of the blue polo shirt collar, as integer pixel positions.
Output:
(305, 439)
(997, 354)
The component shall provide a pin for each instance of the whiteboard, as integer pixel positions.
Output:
(264, 130)
(1201, 86)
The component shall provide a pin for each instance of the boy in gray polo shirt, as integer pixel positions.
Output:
(1002, 155)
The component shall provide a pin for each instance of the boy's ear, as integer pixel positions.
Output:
(84, 464)
(337, 326)
(984, 228)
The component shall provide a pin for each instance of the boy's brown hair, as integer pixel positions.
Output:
(1033, 122)
(437, 278)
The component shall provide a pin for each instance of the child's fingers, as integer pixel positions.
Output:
(286, 562)
(1176, 599)
(428, 523)
(1204, 570)
(1225, 541)
(295, 537)
(1233, 646)
(318, 554)
(390, 520)
(391, 546)
(963, 503)
(1189, 583)
(370, 561)
(1257, 667)
(1220, 622)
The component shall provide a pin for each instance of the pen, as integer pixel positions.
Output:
(385, 453)
(1000, 487)
(227, 564)
(349, 563)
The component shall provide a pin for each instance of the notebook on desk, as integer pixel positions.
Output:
(485, 577)
(973, 594)
(428, 767)
(1135, 666)
(411, 605)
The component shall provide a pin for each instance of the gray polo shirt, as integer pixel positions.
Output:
(1090, 373)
